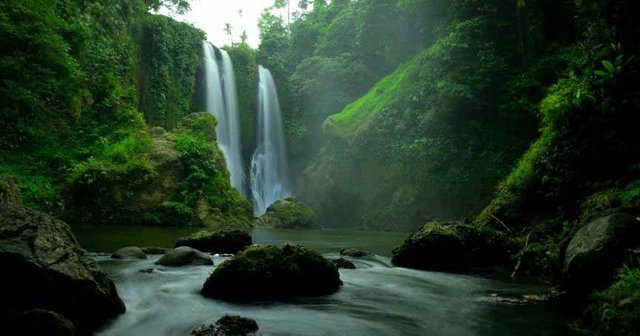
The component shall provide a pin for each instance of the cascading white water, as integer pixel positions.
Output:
(269, 173)
(222, 102)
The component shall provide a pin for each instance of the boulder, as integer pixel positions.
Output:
(228, 326)
(43, 322)
(184, 256)
(452, 246)
(221, 241)
(289, 213)
(10, 190)
(353, 252)
(154, 250)
(598, 249)
(272, 273)
(46, 268)
(343, 263)
(129, 253)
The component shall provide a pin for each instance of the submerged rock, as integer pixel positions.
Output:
(289, 213)
(353, 252)
(452, 246)
(343, 263)
(221, 241)
(228, 326)
(46, 268)
(272, 272)
(598, 249)
(184, 256)
(129, 253)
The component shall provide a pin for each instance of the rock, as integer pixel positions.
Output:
(147, 270)
(353, 252)
(272, 272)
(221, 241)
(228, 326)
(289, 213)
(10, 190)
(154, 250)
(43, 322)
(452, 246)
(46, 268)
(343, 263)
(129, 253)
(184, 256)
(597, 249)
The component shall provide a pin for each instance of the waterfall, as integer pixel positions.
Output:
(222, 102)
(269, 173)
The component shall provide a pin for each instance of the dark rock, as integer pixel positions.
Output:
(147, 270)
(343, 263)
(272, 272)
(46, 268)
(353, 252)
(598, 249)
(221, 241)
(129, 253)
(184, 256)
(228, 326)
(10, 190)
(289, 213)
(38, 322)
(154, 250)
(452, 246)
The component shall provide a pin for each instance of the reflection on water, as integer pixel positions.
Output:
(376, 299)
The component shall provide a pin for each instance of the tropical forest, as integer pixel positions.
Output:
(319, 167)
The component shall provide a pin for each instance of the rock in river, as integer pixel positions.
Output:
(272, 273)
(45, 268)
(129, 253)
(228, 326)
(289, 213)
(221, 241)
(184, 256)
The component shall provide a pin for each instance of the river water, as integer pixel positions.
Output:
(376, 299)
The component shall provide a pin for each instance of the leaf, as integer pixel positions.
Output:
(600, 73)
(609, 66)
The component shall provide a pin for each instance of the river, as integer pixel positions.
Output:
(376, 299)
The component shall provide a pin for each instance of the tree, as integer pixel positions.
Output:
(228, 29)
(176, 6)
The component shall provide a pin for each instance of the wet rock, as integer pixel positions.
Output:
(154, 250)
(147, 270)
(45, 267)
(184, 256)
(343, 263)
(228, 326)
(37, 322)
(289, 213)
(452, 246)
(598, 249)
(272, 272)
(129, 253)
(353, 252)
(221, 241)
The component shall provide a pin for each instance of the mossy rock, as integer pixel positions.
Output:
(598, 249)
(131, 252)
(353, 252)
(289, 213)
(228, 325)
(184, 256)
(221, 241)
(453, 246)
(272, 273)
(10, 190)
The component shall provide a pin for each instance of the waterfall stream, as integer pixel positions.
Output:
(269, 176)
(222, 102)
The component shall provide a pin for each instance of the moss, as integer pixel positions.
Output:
(289, 213)
(273, 272)
(617, 308)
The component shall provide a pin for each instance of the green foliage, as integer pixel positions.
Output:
(617, 311)
(170, 55)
